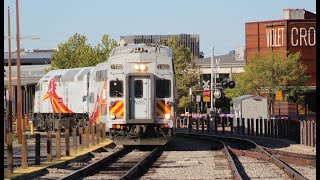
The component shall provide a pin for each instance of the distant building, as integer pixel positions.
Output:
(295, 32)
(33, 64)
(191, 41)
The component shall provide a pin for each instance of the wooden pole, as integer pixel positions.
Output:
(58, 147)
(87, 134)
(67, 141)
(9, 154)
(74, 134)
(81, 137)
(93, 134)
(97, 133)
(24, 158)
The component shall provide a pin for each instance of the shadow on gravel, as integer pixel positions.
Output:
(239, 166)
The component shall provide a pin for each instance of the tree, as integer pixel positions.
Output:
(266, 73)
(186, 70)
(77, 53)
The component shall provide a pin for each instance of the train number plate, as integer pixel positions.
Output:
(140, 102)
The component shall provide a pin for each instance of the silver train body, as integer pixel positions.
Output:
(134, 93)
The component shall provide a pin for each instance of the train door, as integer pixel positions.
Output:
(140, 98)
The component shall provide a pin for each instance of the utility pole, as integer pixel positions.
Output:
(19, 104)
(10, 75)
(9, 121)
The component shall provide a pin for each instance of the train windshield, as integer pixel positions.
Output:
(116, 88)
(163, 88)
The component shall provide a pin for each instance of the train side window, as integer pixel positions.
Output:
(163, 88)
(116, 88)
(138, 89)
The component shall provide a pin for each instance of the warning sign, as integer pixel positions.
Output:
(279, 96)
(206, 99)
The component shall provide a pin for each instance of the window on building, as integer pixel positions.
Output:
(163, 88)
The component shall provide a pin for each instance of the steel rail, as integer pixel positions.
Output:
(290, 154)
(293, 174)
(144, 163)
(94, 166)
(233, 167)
(44, 171)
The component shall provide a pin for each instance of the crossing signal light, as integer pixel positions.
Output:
(232, 84)
(226, 84)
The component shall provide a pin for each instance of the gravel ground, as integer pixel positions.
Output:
(117, 169)
(307, 171)
(189, 159)
(258, 169)
(56, 173)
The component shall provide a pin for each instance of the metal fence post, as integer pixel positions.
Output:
(81, 137)
(223, 124)
(202, 124)
(49, 146)
(311, 133)
(243, 126)
(252, 126)
(216, 124)
(248, 128)
(261, 123)
(238, 125)
(197, 124)
(305, 132)
(257, 127)
(231, 124)
(265, 128)
(37, 152)
(272, 129)
(87, 133)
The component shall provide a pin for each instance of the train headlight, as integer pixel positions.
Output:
(167, 116)
(113, 116)
(136, 66)
(111, 103)
(143, 67)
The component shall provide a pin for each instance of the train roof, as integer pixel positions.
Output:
(141, 48)
(67, 75)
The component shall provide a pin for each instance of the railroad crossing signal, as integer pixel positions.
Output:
(206, 92)
(206, 99)
(206, 84)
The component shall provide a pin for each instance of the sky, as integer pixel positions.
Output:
(220, 24)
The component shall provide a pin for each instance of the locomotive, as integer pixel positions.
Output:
(134, 93)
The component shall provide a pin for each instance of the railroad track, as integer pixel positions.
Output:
(191, 158)
(125, 164)
(261, 158)
(67, 167)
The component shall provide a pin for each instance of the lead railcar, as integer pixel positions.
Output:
(134, 93)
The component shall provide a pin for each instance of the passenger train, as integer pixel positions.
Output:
(134, 93)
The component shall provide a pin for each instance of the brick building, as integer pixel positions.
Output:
(295, 32)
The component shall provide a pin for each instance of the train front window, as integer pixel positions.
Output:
(138, 89)
(116, 88)
(163, 88)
